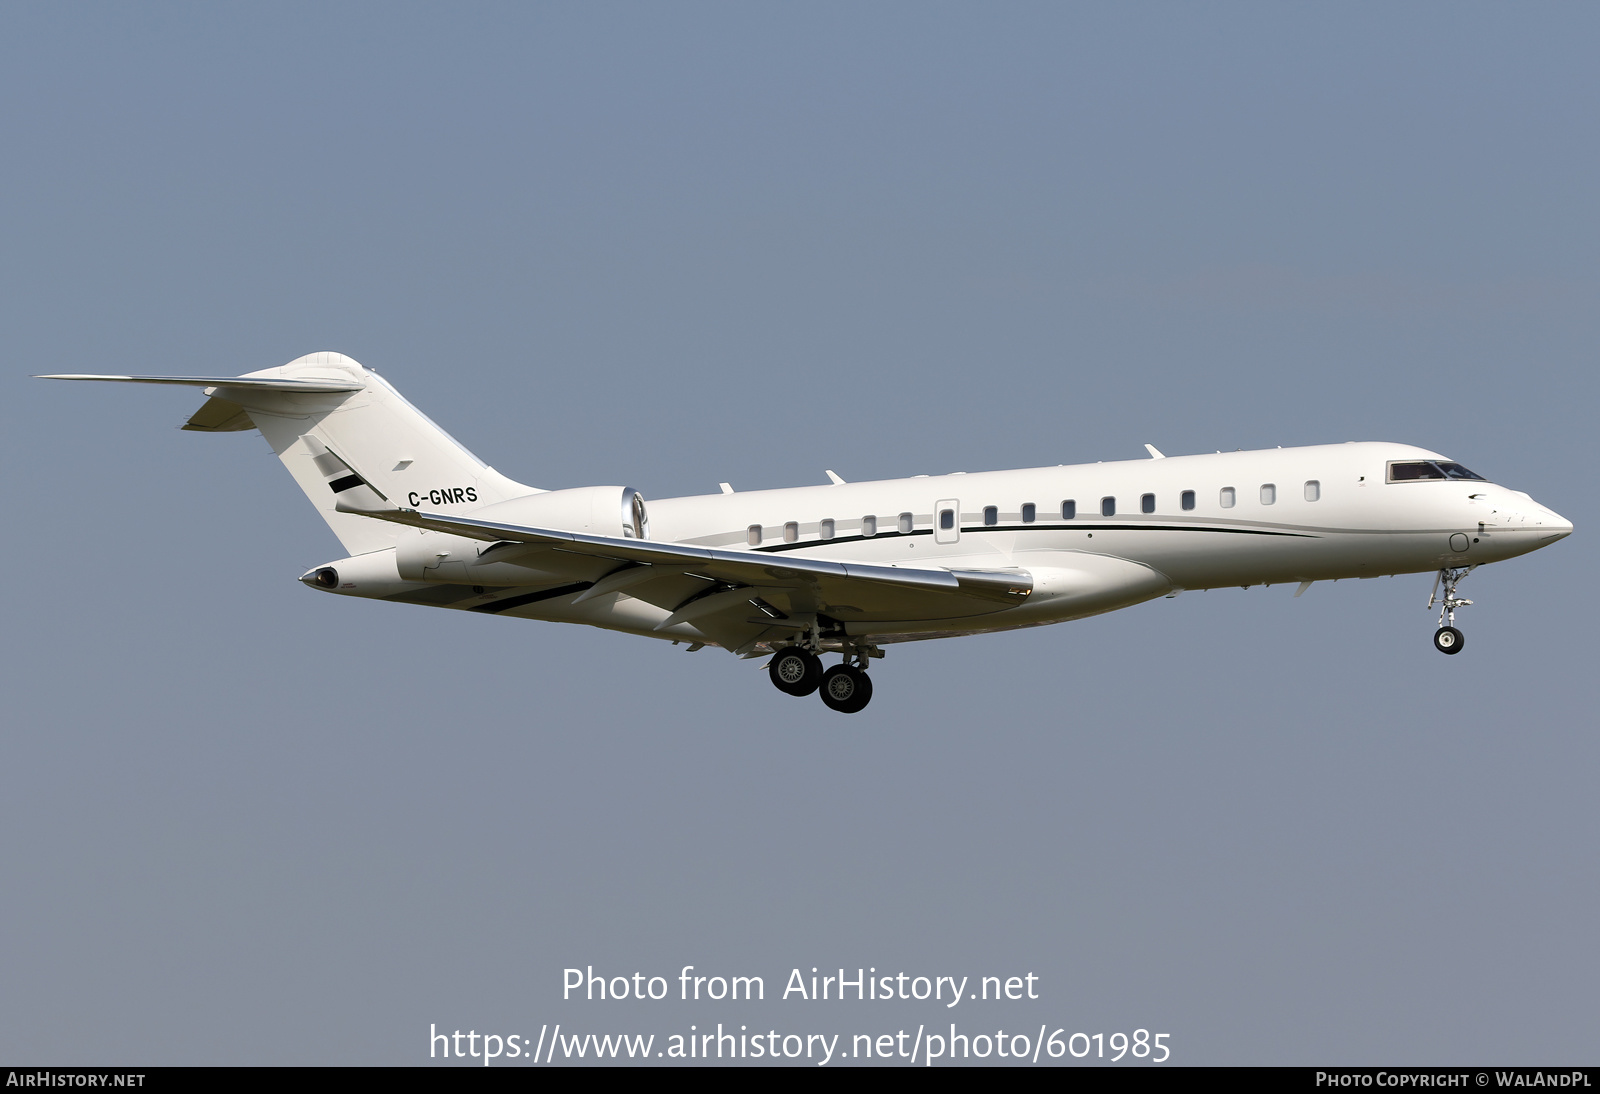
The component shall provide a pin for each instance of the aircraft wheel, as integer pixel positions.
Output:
(846, 689)
(1448, 640)
(795, 671)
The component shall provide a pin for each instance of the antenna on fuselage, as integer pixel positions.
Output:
(1155, 453)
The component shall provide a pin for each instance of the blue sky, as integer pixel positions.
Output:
(672, 245)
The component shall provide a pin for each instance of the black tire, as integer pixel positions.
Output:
(846, 689)
(1448, 640)
(795, 671)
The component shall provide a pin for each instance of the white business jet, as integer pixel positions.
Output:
(851, 567)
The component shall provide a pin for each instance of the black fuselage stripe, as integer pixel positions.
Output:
(1075, 526)
(530, 598)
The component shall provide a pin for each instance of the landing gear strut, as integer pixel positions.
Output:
(1447, 639)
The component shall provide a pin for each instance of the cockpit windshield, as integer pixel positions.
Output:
(1412, 470)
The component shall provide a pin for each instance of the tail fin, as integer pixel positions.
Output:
(341, 430)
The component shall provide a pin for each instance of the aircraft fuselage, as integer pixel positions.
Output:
(1095, 537)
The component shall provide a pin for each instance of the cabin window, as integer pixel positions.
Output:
(1029, 513)
(752, 535)
(991, 515)
(1225, 497)
(1411, 470)
(1269, 493)
(1313, 490)
(947, 519)
(1147, 504)
(1186, 499)
(1069, 510)
(791, 532)
(869, 526)
(825, 529)
(1108, 507)
(905, 524)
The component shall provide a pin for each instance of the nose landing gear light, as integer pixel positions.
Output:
(1447, 639)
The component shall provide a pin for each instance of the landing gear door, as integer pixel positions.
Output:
(947, 521)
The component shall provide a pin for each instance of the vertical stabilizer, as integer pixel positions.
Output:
(344, 434)
(347, 443)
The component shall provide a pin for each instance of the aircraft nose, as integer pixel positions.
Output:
(1549, 524)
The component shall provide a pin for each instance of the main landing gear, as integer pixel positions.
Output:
(846, 688)
(1447, 639)
(797, 670)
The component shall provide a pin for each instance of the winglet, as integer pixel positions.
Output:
(1155, 453)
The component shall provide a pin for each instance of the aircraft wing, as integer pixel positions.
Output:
(742, 589)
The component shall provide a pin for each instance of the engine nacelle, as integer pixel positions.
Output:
(598, 510)
(373, 574)
(614, 511)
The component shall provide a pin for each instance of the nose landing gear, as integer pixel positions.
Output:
(1447, 639)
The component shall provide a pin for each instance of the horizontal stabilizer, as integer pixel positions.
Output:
(303, 386)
